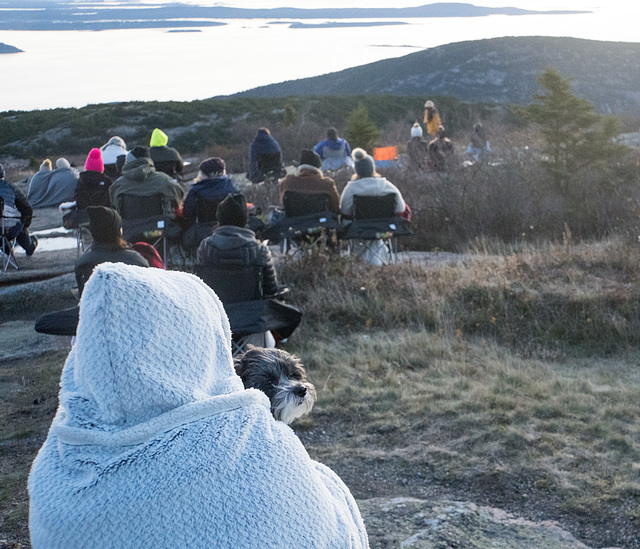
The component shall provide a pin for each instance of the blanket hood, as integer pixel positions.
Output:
(138, 328)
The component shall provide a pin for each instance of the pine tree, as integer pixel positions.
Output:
(360, 130)
(575, 136)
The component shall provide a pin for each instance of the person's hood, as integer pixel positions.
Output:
(138, 169)
(233, 237)
(158, 138)
(148, 342)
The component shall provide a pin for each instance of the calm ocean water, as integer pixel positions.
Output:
(75, 68)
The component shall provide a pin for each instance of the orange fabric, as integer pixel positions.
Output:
(385, 153)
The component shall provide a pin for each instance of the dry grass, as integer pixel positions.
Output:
(510, 378)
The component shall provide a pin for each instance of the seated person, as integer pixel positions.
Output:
(165, 159)
(108, 246)
(440, 148)
(18, 213)
(418, 149)
(156, 442)
(49, 188)
(367, 182)
(308, 179)
(233, 244)
(93, 184)
(265, 157)
(211, 183)
(140, 178)
(114, 153)
(334, 151)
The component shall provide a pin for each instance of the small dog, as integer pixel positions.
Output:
(281, 377)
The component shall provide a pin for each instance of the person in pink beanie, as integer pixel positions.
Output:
(93, 184)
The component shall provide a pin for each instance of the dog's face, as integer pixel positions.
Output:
(281, 377)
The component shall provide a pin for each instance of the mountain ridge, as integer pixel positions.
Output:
(494, 70)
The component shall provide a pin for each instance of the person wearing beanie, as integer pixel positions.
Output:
(108, 246)
(232, 244)
(18, 213)
(49, 188)
(308, 179)
(417, 149)
(334, 151)
(140, 178)
(265, 158)
(114, 153)
(431, 118)
(93, 183)
(165, 159)
(210, 185)
(367, 182)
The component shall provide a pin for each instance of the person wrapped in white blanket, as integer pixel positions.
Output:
(157, 444)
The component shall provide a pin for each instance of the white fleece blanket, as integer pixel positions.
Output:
(157, 445)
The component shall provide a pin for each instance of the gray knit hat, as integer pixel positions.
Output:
(105, 224)
(363, 163)
(310, 158)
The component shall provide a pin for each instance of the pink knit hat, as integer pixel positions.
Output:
(94, 161)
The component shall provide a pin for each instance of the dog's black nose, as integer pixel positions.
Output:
(300, 391)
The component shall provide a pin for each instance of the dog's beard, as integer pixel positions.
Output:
(286, 405)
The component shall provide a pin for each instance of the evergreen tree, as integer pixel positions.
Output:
(575, 136)
(360, 130)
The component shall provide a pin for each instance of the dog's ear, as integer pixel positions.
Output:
(241, 361)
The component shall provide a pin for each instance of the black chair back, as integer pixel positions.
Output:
(206, 209)
(233, 284)
(270, 162)
(138, 207)
(374, 207)
(298, 204)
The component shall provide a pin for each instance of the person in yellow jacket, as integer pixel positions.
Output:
(431, 118)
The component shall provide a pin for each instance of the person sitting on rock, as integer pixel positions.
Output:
(265, 158)
(431, 118)
(334, 151)
(50, 188)
(418, 149)
(440, 148)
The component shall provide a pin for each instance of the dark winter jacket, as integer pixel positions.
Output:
(208, 189)
(93, 189)
(263, 144)
(239, 246)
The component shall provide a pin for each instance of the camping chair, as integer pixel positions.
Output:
(386, 157)
(307, 220)
(205, 221)
(375, 228)
(250, 314)
(270, 164)
(7, 239)
(145, 218)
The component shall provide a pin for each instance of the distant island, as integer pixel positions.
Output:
(63, 15)
(334, 24)
(6, 48)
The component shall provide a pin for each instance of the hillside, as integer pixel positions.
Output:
(497, 70)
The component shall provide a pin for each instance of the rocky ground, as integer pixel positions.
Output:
(437, 517)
